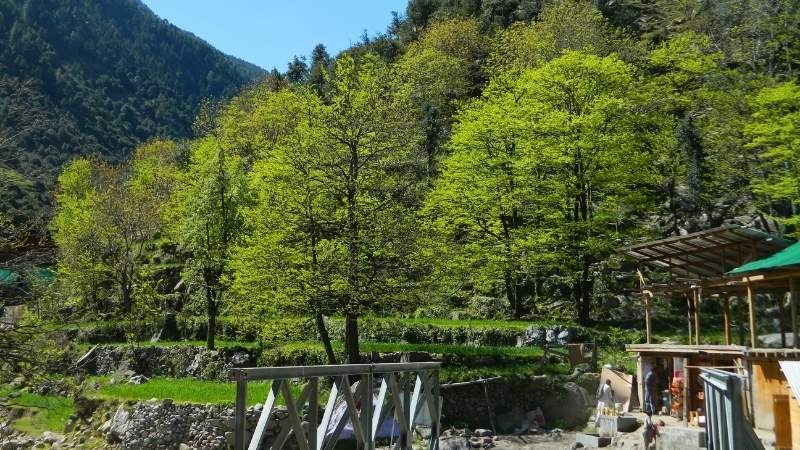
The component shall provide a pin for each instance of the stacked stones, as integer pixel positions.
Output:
(164, 425)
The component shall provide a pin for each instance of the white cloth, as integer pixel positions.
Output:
(605, 398)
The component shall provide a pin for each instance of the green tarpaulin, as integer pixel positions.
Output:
(788, 257)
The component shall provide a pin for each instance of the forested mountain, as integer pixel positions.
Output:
(479, 155)
(95, 77)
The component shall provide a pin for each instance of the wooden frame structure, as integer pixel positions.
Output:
(696, 266)
(405, 389)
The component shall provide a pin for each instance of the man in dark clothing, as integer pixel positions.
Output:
(650, 391)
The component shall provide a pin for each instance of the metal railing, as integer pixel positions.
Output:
(404, 390)
(726, 424)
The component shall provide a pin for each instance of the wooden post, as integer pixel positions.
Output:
(793, 310)
(780, 297)
(688, 317)
(240, 422)
(647, 300)
(686, 398)
(726, 311)
(752, 311)
(740, 311)
(696, 316)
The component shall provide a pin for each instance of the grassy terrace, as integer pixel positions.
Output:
(43, 413)
(182, 390)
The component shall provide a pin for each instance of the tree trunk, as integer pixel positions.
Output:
(325, 338)
(125, 293)
(584, 294)
(211, 311)
(351, 338)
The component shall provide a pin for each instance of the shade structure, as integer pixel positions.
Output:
(788, 257)
(706, 254)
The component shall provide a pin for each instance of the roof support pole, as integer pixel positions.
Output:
(647, 301)
(688, 317)
(740, 318)
(780, 296)
(696, 295)
(793, 310)
(726, 311)
(752, 311)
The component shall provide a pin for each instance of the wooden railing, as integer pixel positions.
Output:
(400, 389)
(726, 425)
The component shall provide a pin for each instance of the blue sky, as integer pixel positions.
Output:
(269, 33)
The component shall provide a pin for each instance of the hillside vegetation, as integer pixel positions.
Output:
(95, 78)
(474, 163)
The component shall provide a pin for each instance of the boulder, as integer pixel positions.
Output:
(138, 379)
(119, 424)
(569, 407)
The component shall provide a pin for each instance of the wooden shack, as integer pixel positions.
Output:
(731, 265)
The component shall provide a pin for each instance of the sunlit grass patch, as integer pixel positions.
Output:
(184, 390)
(42, 412)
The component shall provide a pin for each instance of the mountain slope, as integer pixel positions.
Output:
(95, 77)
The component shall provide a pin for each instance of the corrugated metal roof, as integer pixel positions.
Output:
(708, 253)
(791, 370)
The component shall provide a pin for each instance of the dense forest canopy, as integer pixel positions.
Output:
(479, 154)
(95, 78)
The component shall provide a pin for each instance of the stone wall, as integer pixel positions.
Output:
(165, 425)
(501, 404)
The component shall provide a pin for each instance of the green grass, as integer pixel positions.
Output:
(466, 323)
(458, 374)
(183, 390)
(43, 413)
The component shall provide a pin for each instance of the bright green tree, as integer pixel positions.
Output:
(105, 215)
(206, 217)
(775, 133)
(547, 170)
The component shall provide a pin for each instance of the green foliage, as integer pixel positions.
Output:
(103, 77)
(182, 390)
(775, 134)
(542, 177)
(41, 413)
(105, 217)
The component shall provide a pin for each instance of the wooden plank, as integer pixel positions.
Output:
(648, 327)
(322, 429)
(780, 297)
(399, 406)
(366, 411)
(266, 412)
(294, 410)
(380, 413)
(726, 314)
(696, 298)
(752, 311)
(793, 310)
(783, 425)
(241, 410)
(740, 309)
(313, 412)
(358, 430)
(688, 317)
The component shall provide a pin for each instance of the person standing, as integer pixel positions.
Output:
(605, 398)
(650, 391)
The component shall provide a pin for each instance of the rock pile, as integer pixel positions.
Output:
(550, 335)
(166, 425)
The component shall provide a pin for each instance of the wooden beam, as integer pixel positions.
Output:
(726, 311)
(647, 300)
(752, 310)
(696, 297)
(740, 321)
(780, 296)
(793, 310)
(689, 317)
